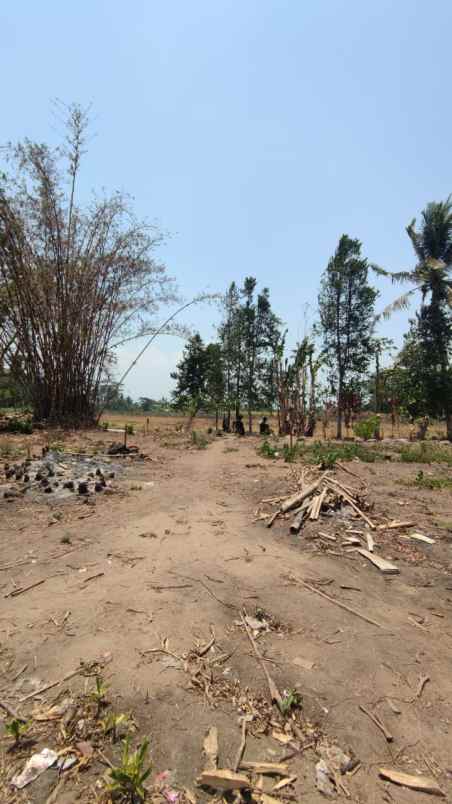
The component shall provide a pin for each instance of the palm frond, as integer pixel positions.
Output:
(377, 269)
(402, 303)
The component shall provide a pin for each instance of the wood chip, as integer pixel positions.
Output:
(210, 746)
(422, 783)
(384, 566)
(223, 780)
(419, 537)
(395, 525)
(370, 542)
(266, 768)
(305, 664)
(284, 783)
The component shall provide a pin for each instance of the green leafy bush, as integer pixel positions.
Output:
(367, 428)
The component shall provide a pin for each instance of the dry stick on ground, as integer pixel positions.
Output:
(353, 474)
(23, 589)
(275, 695)
(337, 602)
(378, 723)
(10, 711)
(422, 682)
(51, 686)
(272, 518)
(245, 720)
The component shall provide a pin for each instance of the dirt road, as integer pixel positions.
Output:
(177, 559)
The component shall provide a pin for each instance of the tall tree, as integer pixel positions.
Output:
(190, 376)
(431, 277)
(72, 279)
(346, 306)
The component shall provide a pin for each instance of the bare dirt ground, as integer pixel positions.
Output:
(171, 559)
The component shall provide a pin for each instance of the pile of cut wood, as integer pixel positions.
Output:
(322, 495)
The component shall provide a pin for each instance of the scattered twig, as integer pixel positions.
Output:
(51, 686)
(92, 577)
(174, 586)
(378, 723)
(337, 602)
(10, 711)
(23, 589)
(205, 649)
(275, 695)
(422, 682)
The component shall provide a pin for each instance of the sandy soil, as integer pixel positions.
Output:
(175, 555)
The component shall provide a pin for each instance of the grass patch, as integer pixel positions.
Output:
(426, 452)
(422, 481)
(325, 453)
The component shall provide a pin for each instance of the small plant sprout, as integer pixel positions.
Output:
(129, 777)
(112, 723)
(99, 693)
(292, 700)
(17, 729)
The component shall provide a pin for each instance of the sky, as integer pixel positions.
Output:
(254, 133)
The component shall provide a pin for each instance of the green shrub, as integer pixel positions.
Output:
(267, 450)
(367, 428)
(24, 426)
(423, 482)
(199, 440)
(130, 430)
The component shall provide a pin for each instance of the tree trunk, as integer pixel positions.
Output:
(449, 425)
(339, 411)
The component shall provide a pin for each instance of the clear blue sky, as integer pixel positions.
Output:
(256, 132)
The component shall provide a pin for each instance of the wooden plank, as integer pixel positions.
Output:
(384, 566)
(422, 783)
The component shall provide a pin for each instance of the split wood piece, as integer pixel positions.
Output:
(275, 694)
(23, 589)
(245, 720)
(272, 518)
(266, 768)
(395, 525)
(210, 746)
(223, 780)
(422, 783)
(284, 783)
(338, 603)
(298, 498)
(317, 506)
(384, 566)
(419, 537)
(378, 723)
(328, 536)
(11, 712)
(370, 542)
(51, 685)
(351, 502)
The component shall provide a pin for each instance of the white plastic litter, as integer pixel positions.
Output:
(36, 765)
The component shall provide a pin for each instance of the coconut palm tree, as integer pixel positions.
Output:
(432, 278)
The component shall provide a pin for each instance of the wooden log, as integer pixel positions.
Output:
(299, 516)
(298, 498)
